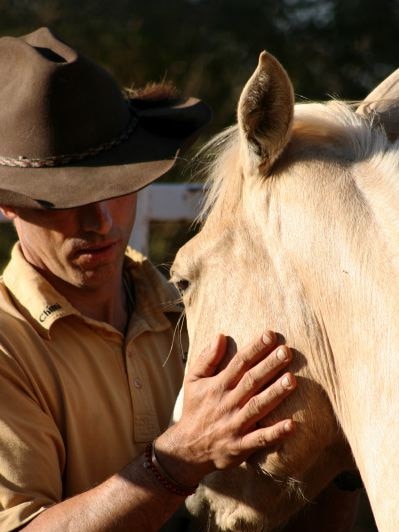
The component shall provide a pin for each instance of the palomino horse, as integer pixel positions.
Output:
(301, 235)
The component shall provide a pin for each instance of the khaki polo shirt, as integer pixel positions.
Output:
(78, 400)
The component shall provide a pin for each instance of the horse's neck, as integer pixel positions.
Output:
(350, 281)
(363, 340)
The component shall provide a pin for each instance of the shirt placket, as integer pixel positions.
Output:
(146, 425)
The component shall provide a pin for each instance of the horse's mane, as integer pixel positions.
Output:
(332, 130)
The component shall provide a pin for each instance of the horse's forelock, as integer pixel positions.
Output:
(217, 164)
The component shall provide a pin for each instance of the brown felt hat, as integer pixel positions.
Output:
(69, 136)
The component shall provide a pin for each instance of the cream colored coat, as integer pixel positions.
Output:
(301, 235)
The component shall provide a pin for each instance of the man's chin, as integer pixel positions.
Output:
(94, 279)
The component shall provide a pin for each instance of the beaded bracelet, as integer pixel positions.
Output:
(151, 464)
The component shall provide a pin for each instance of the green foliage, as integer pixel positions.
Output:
(7, 239)
(165, 240)
(209, 47)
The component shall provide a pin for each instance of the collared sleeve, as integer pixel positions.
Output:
(31, 450)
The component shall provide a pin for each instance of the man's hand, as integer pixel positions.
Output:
(221, 407)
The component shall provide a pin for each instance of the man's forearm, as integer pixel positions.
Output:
(130, 500)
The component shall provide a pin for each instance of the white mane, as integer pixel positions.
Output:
(333, 127)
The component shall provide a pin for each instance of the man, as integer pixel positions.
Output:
(89, 363)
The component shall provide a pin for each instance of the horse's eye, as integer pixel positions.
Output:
(182, 285)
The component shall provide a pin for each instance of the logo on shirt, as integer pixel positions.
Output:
(48, 311)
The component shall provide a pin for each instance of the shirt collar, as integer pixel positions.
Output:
(42, 305)
(35, 297)
(154, 297)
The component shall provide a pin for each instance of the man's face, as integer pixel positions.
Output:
(84, 246)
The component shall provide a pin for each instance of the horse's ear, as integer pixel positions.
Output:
(383, 102)
(265, 113)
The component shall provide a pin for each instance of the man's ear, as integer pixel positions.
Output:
(9, 213)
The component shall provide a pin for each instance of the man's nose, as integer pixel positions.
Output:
(97, 217)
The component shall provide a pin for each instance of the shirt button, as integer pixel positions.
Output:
(137, 383)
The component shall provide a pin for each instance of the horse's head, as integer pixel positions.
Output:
(282, 247)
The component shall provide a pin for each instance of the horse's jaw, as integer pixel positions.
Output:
(250, 499)
(219, 509)
(224, 513)
(240, 500)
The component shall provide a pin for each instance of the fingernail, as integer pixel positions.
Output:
(282, 354)
(268, 338)
(288, 426)
(213, 345)
(286, 382)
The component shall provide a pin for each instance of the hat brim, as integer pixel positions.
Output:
(146, 155)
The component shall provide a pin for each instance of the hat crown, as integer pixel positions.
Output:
(54, 100)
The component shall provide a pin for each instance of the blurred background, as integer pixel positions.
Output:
(209, 48)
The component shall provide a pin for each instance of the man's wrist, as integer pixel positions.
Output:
(174, 456)
(152, 464)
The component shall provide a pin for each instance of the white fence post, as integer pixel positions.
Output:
(169, 202)
(140, 237)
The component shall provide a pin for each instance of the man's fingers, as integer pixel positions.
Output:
(208, 361)
(262, 373)
(247, 357)
(260, 405)
(267, 437)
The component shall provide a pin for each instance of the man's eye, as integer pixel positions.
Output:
(182, 285)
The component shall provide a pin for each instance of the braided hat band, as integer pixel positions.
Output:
(59, 160)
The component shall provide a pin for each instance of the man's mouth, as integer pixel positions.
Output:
(95, 252)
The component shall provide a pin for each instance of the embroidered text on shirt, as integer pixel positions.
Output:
(48, 311)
